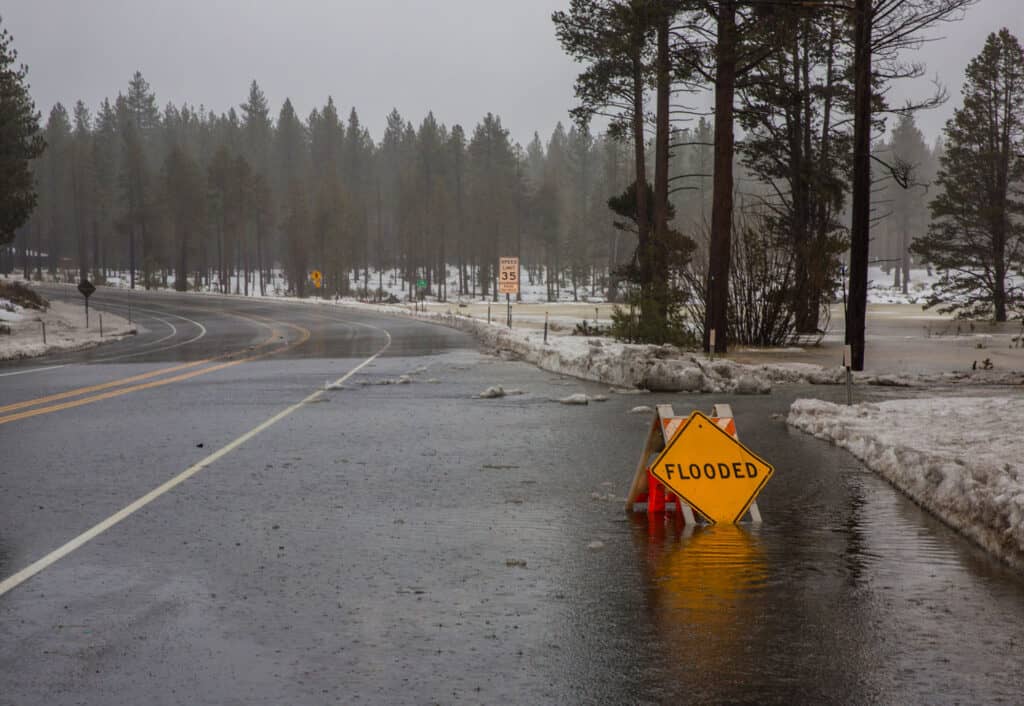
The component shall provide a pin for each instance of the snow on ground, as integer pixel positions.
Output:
(670, 369)
(9, 311)
(960, 458)
(667, 368)
(65, 330)
(882, 291)
(657, 368)
(389, 283)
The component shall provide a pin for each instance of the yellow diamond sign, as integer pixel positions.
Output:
(712, 471)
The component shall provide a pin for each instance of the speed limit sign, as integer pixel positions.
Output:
(508, 275)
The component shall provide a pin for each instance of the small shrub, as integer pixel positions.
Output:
(586, 328)
(23, 295)
(627, 324)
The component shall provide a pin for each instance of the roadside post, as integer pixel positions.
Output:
(101, 325)
(545, 327)
(711, 344)
(43, 324)
(508, 282)
(86, 288)
(421, 295)
(847, 362)
(701, 470)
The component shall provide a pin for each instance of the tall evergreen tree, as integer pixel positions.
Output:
(183, 189)
(20, 141)
(908, 202)
(55, 178)
(106, 158)
(793, 107)
(976, 239)
(83, 186)
(492, 196)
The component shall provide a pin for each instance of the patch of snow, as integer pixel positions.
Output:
(960, 458)
(492, 393)
(9, 311)
(400, 380)
(65, 330)
(579, 398)
(642, 409)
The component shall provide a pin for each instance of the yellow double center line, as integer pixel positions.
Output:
(14, 415)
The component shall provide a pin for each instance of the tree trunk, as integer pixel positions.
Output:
(657, 249)
(860, 232)
(639, 156)
(717, 298)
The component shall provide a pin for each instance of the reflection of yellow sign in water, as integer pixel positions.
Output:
(711, 470)
(316, 277)
(706, 588)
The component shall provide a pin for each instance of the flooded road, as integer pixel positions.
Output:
(412, 543)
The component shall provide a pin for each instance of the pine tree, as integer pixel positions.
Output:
(793, 105)
(976, 239)
(20, 141)
(106, 157)
(183, 190)
(909, 201)
(491, 196)
(257, 129)
(457, 160)
(83, 186)
(580, 145)
(56, 187)
(135, 186)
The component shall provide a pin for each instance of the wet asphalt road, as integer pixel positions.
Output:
(408, 543)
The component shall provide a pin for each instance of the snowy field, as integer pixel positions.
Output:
(881, 291)
(534, 290)
(388, 283)
(65, 329)
(960, 458)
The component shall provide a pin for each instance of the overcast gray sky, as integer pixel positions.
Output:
(459, 58)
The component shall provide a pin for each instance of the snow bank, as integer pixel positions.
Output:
(65, 330)
(960, 458)
(9, 311)
(655, 368)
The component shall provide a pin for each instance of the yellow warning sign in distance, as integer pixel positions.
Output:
(711, 470)
(316, 277)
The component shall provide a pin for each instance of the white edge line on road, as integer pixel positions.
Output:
(56, 555)
(33, 370)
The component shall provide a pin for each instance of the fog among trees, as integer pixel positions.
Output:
(743, 222)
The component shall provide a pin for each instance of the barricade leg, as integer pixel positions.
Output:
(655, 495)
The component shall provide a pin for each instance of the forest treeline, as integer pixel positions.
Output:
(228, 198)
(742, 221)
(185, 197)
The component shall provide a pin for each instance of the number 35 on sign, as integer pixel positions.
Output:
(508, 275)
